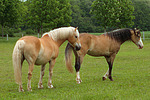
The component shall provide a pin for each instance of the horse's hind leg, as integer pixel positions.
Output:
(40, 85)
(31, 66)
(20, 85)
(51, 66)
(79, 60)
(110, 60)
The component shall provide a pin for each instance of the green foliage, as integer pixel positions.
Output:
(113, 13)
(49, 14)
(8, 30)
(30, 31)
(44, 15)
(81, 17)
(8, 12)
(142, 14)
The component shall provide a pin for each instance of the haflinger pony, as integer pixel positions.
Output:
(106, 45)
(39, 51)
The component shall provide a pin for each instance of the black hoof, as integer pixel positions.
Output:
(110, 78)
(103, 78)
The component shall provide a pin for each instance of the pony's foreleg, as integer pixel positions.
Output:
(31, 66)
(40, 85)
(51, 66)
(110, 60)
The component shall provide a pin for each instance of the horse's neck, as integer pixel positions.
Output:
(59, 38)
(60, 42)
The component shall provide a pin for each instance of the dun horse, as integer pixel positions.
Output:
(39, 51)
(106, 45)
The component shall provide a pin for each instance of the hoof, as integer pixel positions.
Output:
(78, 81)
(111, 78)
(50, 86)
(104, 78)
(29, 89)
(21, 90)
(40, 86)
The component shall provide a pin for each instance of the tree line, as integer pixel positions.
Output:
(89, 15)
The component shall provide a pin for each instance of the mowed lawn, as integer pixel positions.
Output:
(131, 73)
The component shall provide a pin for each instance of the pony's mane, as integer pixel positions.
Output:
(60, 33)
(120, 35)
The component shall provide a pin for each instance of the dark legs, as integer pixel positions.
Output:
(110, 60)
(77, 67)
(78, 63)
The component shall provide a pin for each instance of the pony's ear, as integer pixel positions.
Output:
(76, 28)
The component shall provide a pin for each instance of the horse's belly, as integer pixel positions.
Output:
(43, 58)
(41, 61)
(98, 53)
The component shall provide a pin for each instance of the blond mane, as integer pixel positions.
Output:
(60, 33)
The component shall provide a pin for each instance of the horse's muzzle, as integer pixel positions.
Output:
(140, 44)
(77, 46)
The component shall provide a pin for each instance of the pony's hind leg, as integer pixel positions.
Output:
(51, 66)
(106, 74)
(31, 66)
(110, 60)
(79, 60)
(77, 67)
(40, 85)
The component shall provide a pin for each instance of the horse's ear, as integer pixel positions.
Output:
(76, 28)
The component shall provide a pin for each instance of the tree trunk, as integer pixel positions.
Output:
(2, 32)
(105, 30)
(41, 30)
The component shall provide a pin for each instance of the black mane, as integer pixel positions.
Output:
(120, 35)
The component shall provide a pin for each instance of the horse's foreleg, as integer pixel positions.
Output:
(29, 77)
(51, 66)
(110, 60)
(110, 70)
(21, 88)
(40, 85)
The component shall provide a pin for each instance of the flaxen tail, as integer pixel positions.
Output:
(17, 56)
(68, 57)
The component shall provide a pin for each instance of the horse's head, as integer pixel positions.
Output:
(136, 38)
(74, 39)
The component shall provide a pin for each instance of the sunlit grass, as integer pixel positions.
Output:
(131, 73)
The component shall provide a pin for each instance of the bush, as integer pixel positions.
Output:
(7, 30)
(18, 30)
(30, 31)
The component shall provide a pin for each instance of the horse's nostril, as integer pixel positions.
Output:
(78, 48)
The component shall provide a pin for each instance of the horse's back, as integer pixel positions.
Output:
(97, 45)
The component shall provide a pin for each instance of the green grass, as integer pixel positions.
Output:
(131, 73)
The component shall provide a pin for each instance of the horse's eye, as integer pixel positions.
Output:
(75, 36)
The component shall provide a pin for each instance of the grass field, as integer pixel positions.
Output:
(131, 73)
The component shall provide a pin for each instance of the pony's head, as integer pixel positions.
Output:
(74, 39)
(136, 38)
